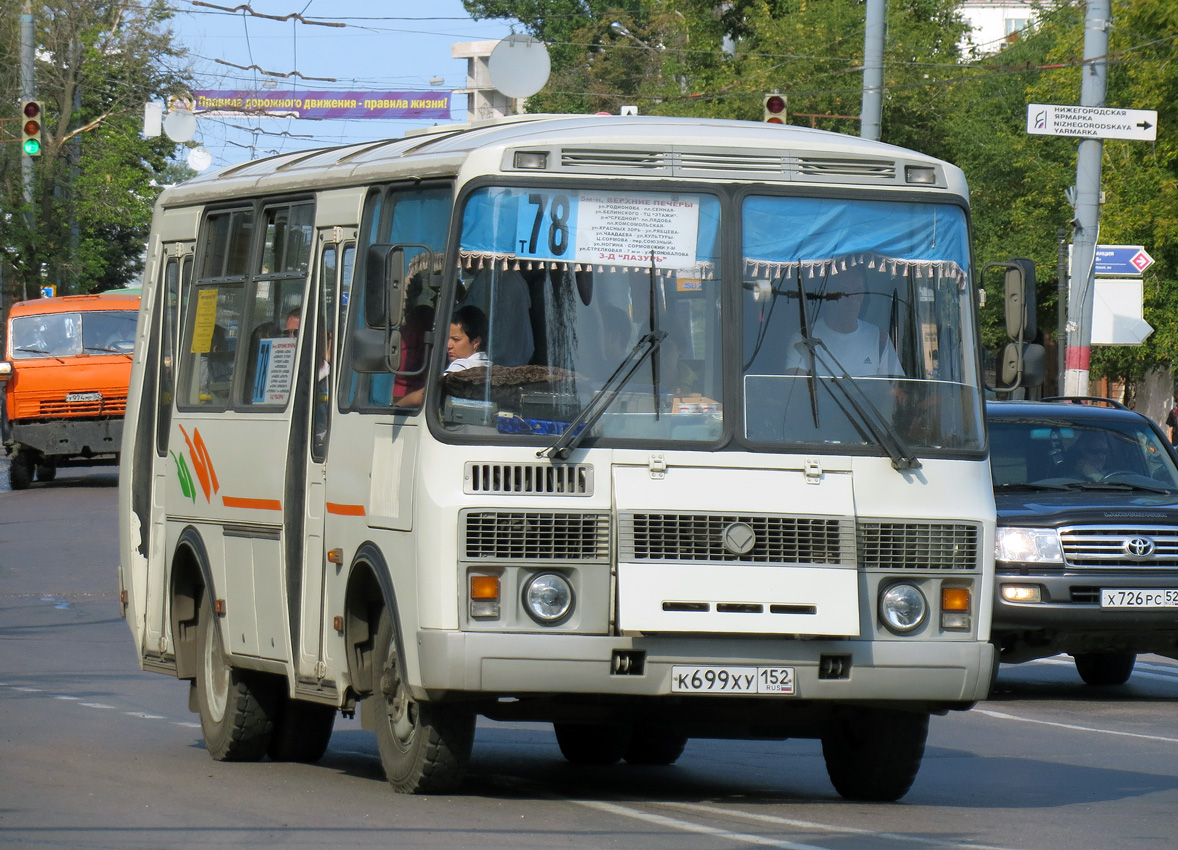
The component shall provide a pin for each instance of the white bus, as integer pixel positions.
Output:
(650, 428)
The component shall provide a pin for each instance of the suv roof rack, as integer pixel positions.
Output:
(1094, 401)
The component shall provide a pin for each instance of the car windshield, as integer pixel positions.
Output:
(69, 334)
(1051, 453)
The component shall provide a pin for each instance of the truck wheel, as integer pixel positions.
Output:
(1105, 668)
(424, 747)
(873, 754)
(20, 471)
(592, 743)
(46, 471)
(302, 731)
(652, 745)
(237, 707)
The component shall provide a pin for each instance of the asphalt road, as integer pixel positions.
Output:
(96, 754)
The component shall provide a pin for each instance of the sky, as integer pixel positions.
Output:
(384, 45)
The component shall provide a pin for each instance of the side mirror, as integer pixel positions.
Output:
(1022, 365)
(384, 290)
(1019, 298)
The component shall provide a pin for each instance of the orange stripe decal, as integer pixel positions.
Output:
(252, 504)
(345, 510)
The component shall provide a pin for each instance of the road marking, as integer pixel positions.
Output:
(1000, 715)
(839, 830)
(143, 715)
(95, 705)
(688, 826)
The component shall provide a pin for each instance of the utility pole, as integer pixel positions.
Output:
(873, 41)
(1087, 208)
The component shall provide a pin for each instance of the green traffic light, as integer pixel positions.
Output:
(32, 147)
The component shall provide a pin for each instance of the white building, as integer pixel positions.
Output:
(996, 23)
(483, 100)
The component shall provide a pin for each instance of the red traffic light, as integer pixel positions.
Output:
(31, 128)
(32, 109)
(774, 108)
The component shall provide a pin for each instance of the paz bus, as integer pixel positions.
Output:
(716, 469)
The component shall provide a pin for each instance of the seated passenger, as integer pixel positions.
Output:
(464, 347)
(1088, 458)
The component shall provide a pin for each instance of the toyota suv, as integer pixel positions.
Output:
(1087, 537)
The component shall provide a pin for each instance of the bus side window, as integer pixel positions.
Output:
(207, 364)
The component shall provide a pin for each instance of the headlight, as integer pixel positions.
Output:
(1028, 545)
(902, 607)
(548, 598)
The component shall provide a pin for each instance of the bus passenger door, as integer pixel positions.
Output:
(152, 471)
(336, 258)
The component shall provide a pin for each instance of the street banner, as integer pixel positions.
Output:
(324, 104)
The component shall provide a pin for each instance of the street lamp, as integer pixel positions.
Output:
(620, 29)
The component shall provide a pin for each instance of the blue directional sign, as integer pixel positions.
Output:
(1121, 260)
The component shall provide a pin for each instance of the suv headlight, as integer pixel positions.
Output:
(1028, 545)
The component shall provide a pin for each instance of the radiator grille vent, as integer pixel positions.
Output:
(108, 406)
(918, 546)
(701, 537)
(528, 479)
(536, 536)
(1141, 547)
(742, 162)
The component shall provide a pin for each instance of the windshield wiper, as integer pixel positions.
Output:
(1027, 485)
(588, 415)
(1115, 485)
(869, 416)
(805, 326)
(104, 348)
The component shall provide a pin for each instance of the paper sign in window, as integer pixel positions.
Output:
(274, 375)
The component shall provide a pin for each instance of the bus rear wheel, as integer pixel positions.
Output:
(652, 745)
(302, 731)
(873, 754)
(424, 747)
(592, 743)
(236, 707)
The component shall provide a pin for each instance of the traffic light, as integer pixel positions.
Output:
(774, 105)
(30, 116)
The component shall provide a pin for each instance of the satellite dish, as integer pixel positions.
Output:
(180, 125)
(519, 66)
(199, 159)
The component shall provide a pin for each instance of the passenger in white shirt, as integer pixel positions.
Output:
(464, 347)
(860, 347)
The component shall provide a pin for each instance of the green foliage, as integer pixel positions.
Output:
(93, 188)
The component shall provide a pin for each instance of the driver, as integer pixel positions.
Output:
(859, 346)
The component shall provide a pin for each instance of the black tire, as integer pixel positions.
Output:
(873, 754)
(424, 747)
(651, 745)
(1105, 668)
(46, 471)
(592, 743)
(236, 707)
(20, 472)
(301, 731)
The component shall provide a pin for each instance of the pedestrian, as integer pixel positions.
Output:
(1172, 419)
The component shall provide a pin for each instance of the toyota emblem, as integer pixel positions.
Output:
(739, 538)
(1139, 548)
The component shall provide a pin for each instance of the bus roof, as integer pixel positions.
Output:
(75, 303)
(613, 146)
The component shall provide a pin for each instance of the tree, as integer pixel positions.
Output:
(97, 63)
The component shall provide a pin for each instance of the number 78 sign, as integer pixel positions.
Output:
(608, 227)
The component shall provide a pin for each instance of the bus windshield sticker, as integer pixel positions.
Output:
(206, 319)
(275, 370)
(609, 227)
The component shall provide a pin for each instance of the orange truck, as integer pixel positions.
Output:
(64, 375)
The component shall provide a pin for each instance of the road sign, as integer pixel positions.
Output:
(1117, 313)
(1121, 260)
(1092, 122)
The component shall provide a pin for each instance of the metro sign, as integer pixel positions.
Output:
(1120, 260)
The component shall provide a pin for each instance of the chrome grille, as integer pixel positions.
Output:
(535, 536)
(1102, 546)
(109, 405)
(528, 479)
(831, 167)
(700, 537)
(918, 546)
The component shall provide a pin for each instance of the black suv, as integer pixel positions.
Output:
(1087, 538)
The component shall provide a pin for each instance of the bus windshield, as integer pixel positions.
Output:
(561, 287)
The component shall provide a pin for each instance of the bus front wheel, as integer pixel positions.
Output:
(424, 747)
(873, 754)
(236, 707)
